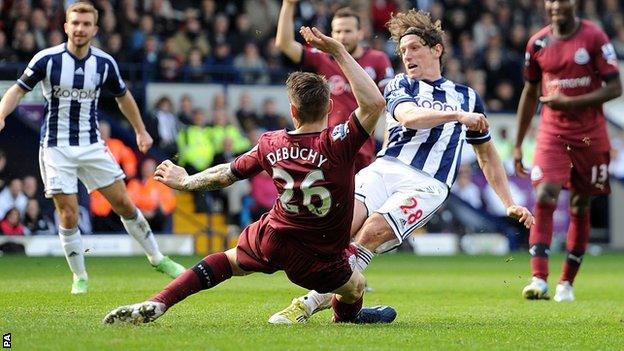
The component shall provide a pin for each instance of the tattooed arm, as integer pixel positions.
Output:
(213, 178)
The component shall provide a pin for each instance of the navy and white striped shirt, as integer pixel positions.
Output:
(71, 88)
(435, 151)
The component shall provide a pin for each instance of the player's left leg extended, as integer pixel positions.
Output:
(208, 273)
(577, 240)
(137, 226)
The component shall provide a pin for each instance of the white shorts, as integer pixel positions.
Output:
(62, 166)
(405, 196)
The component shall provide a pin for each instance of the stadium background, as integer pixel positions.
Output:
(208, 73)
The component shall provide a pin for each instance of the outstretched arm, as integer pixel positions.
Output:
(213, 178)
(414, 117)
(285, 38)
(129, 108)
(492, 167)
(370, 101)
(9, 102)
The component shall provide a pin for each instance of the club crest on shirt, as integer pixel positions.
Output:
(340, 132)
(581, 56)
(536, 173)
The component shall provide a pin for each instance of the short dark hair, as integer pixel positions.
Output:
(309, 92)
(348, 12)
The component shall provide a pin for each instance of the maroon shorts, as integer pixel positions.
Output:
(583, 170)
(262, 249)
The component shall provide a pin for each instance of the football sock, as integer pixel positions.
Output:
(140, 230)
(359, 258)
(540, 238)
(578, 237)
(363, 258)
(346, 312)
(312, 300)
(71, 240)
(209, 272)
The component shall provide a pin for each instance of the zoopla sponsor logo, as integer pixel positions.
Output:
(73, 94)
(436, 105)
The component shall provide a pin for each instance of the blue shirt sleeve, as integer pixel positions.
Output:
(34, 73)
(475, 137)
(113, 82)
(397, 91)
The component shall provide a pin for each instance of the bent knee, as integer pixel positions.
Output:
(547, 193)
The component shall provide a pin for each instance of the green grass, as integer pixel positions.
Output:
(443, 303)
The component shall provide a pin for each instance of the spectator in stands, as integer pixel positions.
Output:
(220, 31)
(155, 200)
(12, 196)
(196, 152)
(170, 62)
(30, 187)
(10, 224)
(140, 35)
(275, 62)
(148, 57)
(39, 28)
(193, 70)
(7, 54)
(195, 146)
(115, 49)
(192, 37)
(504, 97)
(246, 115)
(243, 34)
(122, 153)
(164, 126)
(223, 129)
(270, 119)
(208, 13)
(185, 116)
(251, 65)
(19, 29)
(108, 27)
(26, 47)
(220, 65)
(466, 189)
(219, 101)
(35, 222)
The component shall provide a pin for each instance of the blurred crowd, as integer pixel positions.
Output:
(233, 41)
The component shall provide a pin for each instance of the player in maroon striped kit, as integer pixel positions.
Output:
(575, 66)
(306, 233)
(346, 29)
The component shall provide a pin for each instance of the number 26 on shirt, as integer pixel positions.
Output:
(308, 191)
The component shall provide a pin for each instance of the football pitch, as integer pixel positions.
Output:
(443, 303)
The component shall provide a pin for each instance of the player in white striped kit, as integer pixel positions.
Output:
(72, 75)
(428, 119)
